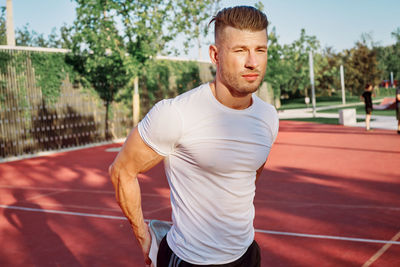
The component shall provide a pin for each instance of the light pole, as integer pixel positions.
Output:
(310, 57)
(342, 82)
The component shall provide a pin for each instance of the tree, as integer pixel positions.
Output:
(389, 58)
(193, 18)
(327, 76)
(361, 68)
(99, 54)
(29, 37)
(277, 71)
(3, 30)
(110, 57)
(289, 68)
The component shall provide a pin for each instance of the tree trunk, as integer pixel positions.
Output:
(106, 132)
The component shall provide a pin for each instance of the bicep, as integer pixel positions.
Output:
(135, 156)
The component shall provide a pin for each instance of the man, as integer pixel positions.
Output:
(214, 141)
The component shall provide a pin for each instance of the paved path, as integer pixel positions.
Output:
(378, 122)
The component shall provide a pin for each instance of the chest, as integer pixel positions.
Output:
(227, 145)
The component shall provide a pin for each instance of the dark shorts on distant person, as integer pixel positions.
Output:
(167, 258)
(368, 110)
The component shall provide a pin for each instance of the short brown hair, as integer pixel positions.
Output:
(239, 17)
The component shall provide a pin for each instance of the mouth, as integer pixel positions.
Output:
(250, 76)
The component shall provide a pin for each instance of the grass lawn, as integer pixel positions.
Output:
(324, 101)
(320, 120)
(320, 101)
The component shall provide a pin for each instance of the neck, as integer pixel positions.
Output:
(225, 97)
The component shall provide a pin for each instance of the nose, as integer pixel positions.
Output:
(251, 61)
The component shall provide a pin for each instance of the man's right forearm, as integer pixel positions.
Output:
(127, 192)
(135, 157)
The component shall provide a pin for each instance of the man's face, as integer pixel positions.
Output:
(241, 59)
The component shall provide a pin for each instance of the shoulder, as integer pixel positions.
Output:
(191, 95)
(268, 114)
(172, 105)
(264, 107)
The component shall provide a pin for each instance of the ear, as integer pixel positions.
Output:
(213, 51)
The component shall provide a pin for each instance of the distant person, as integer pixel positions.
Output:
(367, 97)
(214, 141)
(398, 108)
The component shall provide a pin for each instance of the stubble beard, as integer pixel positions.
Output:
(239, 88)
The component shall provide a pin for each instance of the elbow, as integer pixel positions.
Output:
(119, 175)
(113, 172)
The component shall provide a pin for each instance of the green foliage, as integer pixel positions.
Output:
(50, 73)
(389, 58)
(385, 92)
(288, 68)
(99, 54)
(327, 67)
(3, 31)
(109, 58)
(29, 37)
(50, 70)
(361, 68)
(4, 59)
(259, 5)
(321, 101)
(161, 79)
(192, 17)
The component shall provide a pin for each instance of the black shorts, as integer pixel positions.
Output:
(368, 110)
(167, 258)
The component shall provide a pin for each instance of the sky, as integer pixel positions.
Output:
(335, 23)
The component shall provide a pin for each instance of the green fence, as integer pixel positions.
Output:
(41, 110)
(31, 121)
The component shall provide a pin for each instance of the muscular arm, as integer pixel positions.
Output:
(135, 157)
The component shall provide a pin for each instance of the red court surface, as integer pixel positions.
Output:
(329, 196)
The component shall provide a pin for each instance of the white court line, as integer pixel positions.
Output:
(306, 204)
(344, 206)
(342, 238)
(79, 207)
(64, 212)
(381, 251)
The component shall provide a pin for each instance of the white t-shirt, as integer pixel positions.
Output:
(211, 154)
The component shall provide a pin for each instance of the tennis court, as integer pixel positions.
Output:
(329, 196)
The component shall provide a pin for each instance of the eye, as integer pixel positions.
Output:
(239, 50)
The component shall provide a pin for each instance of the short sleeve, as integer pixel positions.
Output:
(161, 128)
